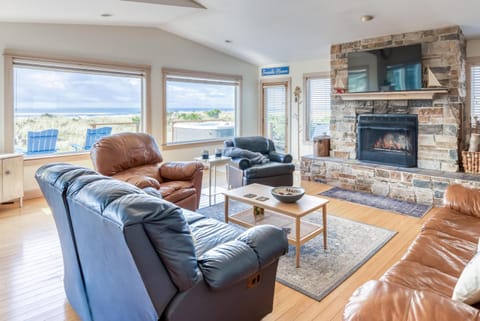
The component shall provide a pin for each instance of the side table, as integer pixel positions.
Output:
(212, 163)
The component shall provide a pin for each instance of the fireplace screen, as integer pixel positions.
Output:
(388, 139)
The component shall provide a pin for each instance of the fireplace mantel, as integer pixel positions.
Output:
(426, 94)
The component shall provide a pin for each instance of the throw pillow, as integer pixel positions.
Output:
(467, 289)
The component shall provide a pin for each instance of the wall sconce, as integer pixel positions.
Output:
(297, 92)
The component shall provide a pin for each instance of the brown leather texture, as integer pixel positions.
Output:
(419, 287)
(119, 152)
(383, 301)
(135, 158)
(465, 200)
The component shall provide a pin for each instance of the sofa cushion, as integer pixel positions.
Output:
(162, 221)
(464, 227)
(467, 289)
(442, 251)
(414, 275)
(209, 233)
(269, 170)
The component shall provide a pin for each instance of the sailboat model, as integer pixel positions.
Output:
(432, 81)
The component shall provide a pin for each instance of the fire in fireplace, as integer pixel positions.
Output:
(388, 139)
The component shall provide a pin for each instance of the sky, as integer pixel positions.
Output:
(44, 88)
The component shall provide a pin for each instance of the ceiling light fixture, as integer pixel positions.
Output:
(106, 15)
(228, 41)
(366, 18)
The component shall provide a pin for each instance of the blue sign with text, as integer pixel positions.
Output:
(284, 70)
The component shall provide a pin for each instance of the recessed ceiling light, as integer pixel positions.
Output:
(228, 41)
(366, 18)
(106, 15)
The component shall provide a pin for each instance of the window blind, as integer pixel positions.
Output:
(318, 106)
(274, 99)
(475, 92)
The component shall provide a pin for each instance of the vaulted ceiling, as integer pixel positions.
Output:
(261, 31)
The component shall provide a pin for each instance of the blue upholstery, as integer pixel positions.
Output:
(95, 134)
(131, 256)
(241, 171)
(42, 142)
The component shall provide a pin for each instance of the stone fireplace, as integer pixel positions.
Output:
(436, 119)
(387, 139)
(439, 118)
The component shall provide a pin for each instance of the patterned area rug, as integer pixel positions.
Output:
(377, 201)
(350, 245)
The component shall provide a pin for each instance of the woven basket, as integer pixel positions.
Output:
(471, 162)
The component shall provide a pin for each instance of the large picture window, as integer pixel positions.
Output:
(199, 106)
(317, 114)
(64, 107)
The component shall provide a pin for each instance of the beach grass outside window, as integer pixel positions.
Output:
(199, 107)
(73, 100)
(317, 113)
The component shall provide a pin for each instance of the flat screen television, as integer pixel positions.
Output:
(388, 69)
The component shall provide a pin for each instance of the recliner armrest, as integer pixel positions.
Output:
(269, 242)
(180, 171)
(240, 163)
(227, 264)
(233, 261)
(280, 157)
(463, 199)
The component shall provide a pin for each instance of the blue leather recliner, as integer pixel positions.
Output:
(129, 255)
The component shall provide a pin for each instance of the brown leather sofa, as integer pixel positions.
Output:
(420, 286)
(135, 158)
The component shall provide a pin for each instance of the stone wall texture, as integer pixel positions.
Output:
(440, 125)
(413, 185)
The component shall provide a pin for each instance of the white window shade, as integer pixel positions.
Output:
(317, 107)
(475, 92)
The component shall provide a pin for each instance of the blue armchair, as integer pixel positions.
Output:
(276, 169)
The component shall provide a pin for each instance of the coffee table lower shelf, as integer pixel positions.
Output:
(306, 230)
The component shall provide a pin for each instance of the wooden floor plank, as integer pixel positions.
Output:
(31, 266)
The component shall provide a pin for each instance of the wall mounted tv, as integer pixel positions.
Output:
(388, 69)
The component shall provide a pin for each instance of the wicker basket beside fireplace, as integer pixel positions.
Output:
(471, 162)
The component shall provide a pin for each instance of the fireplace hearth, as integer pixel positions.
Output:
(388, 139)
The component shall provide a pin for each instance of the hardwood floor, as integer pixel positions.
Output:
(31, 268)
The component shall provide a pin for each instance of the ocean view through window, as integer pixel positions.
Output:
(199, 106)
(73, 101)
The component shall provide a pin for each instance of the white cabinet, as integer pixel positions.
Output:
(11, 178)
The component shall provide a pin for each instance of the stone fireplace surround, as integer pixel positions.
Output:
(439, 123)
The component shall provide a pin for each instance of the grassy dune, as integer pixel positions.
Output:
(71, 129)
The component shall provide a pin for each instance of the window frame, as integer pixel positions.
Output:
(166, 72)
(81, 63)
(306, 116)
(471, 62)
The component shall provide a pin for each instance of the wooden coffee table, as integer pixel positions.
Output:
(284, 215)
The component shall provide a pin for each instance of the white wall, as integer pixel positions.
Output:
(473, 48)
(297, 71)
(149, 46)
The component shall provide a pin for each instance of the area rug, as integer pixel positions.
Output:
(350, 244)
(377, 201)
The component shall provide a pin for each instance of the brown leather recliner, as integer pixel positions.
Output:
(135, 158)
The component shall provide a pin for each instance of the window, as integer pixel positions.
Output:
(76, 103)
(199, 107)
(475, 94)
(317, 112)
(275, 113)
